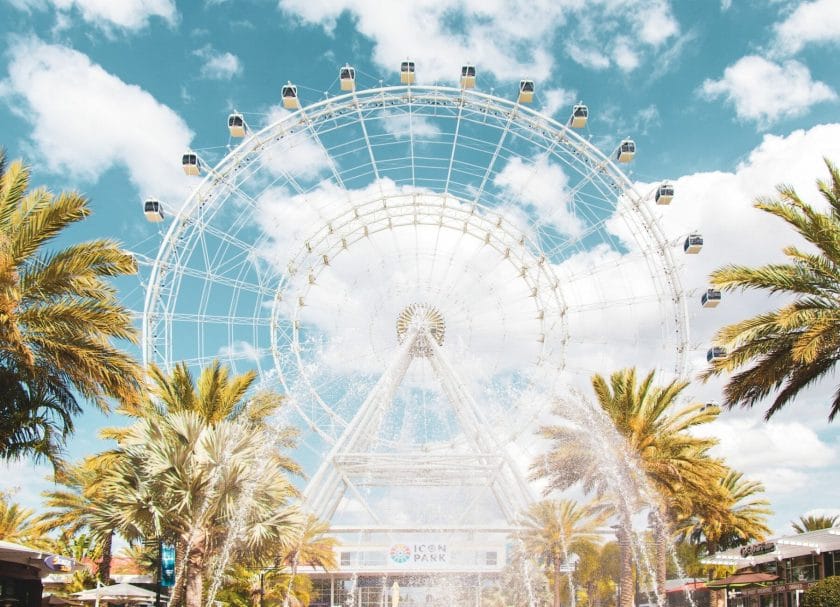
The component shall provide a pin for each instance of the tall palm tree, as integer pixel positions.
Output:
(555, 530)
(215, 397)
(814, 522)
(179, 477)
(58, 313)
(656, 438)
(784, 351)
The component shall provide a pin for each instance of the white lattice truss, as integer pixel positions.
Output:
(350, 464)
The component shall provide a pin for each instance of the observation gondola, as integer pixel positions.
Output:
(526, 91)
(716, 353)
(693, 243)
(467, 76)
(626, 151)
(664, 193)
(711, 298)
(580, 114)
(191, 164)
(153, 210)
(407, 72)
(347, 78)
(289, 94)
(236, 125)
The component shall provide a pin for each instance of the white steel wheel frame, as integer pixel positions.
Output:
(212, 251)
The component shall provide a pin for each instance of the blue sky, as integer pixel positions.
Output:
(726, 99)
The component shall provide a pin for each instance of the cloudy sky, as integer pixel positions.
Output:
(725, 99)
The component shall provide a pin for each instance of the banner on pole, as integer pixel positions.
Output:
(167, 566)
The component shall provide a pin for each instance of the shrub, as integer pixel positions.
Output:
(825, 593)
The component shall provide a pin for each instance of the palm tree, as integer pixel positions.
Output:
(215, 397)
(555, 530)
(179, 477)
(311, 547)
(83, 549)
(58, 315)
(675, 463)
(17, 524)
(79, 507)
(814, 522)
(36, 416)
(740, 517)
(784, 351)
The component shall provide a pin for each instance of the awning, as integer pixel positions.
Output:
(117, 593)
(742, 579)
(689, 586)
(44, 562)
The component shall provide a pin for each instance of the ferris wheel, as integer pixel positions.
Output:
(415, 246)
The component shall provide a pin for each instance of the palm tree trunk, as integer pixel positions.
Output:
(660, 541)
(177, 591)
(105, 563)
(558, 581)
(194, 584)
(625, 584)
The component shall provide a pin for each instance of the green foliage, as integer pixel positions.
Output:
(688, 555)
(784, 351)
(814, 523)
(738, 517)
(825, 593)
(179, 474)
(597, 575)
(17, 524)
(58, 317)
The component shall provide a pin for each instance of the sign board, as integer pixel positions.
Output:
(420, 555)
(757, 549)
(55, 562)
(167, 566)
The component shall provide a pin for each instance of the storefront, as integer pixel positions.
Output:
(412, 570)
(777, 572)
(21, 571)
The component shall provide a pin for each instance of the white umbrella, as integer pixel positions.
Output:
(123, 593)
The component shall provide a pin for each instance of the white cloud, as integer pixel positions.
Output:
(297, 156)
(108, 14)
(624, 56)
(591, 58)
(779, 454)
(510, 39)
(655, 22)
(218, 66)
(764, 91)
(401, 125)
(25, 481)
(558, 100)
(543, 185)
(241, 350)
(86, 121)
(811, 22)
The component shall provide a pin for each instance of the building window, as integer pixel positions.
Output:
(801, 569)
(491, 559)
